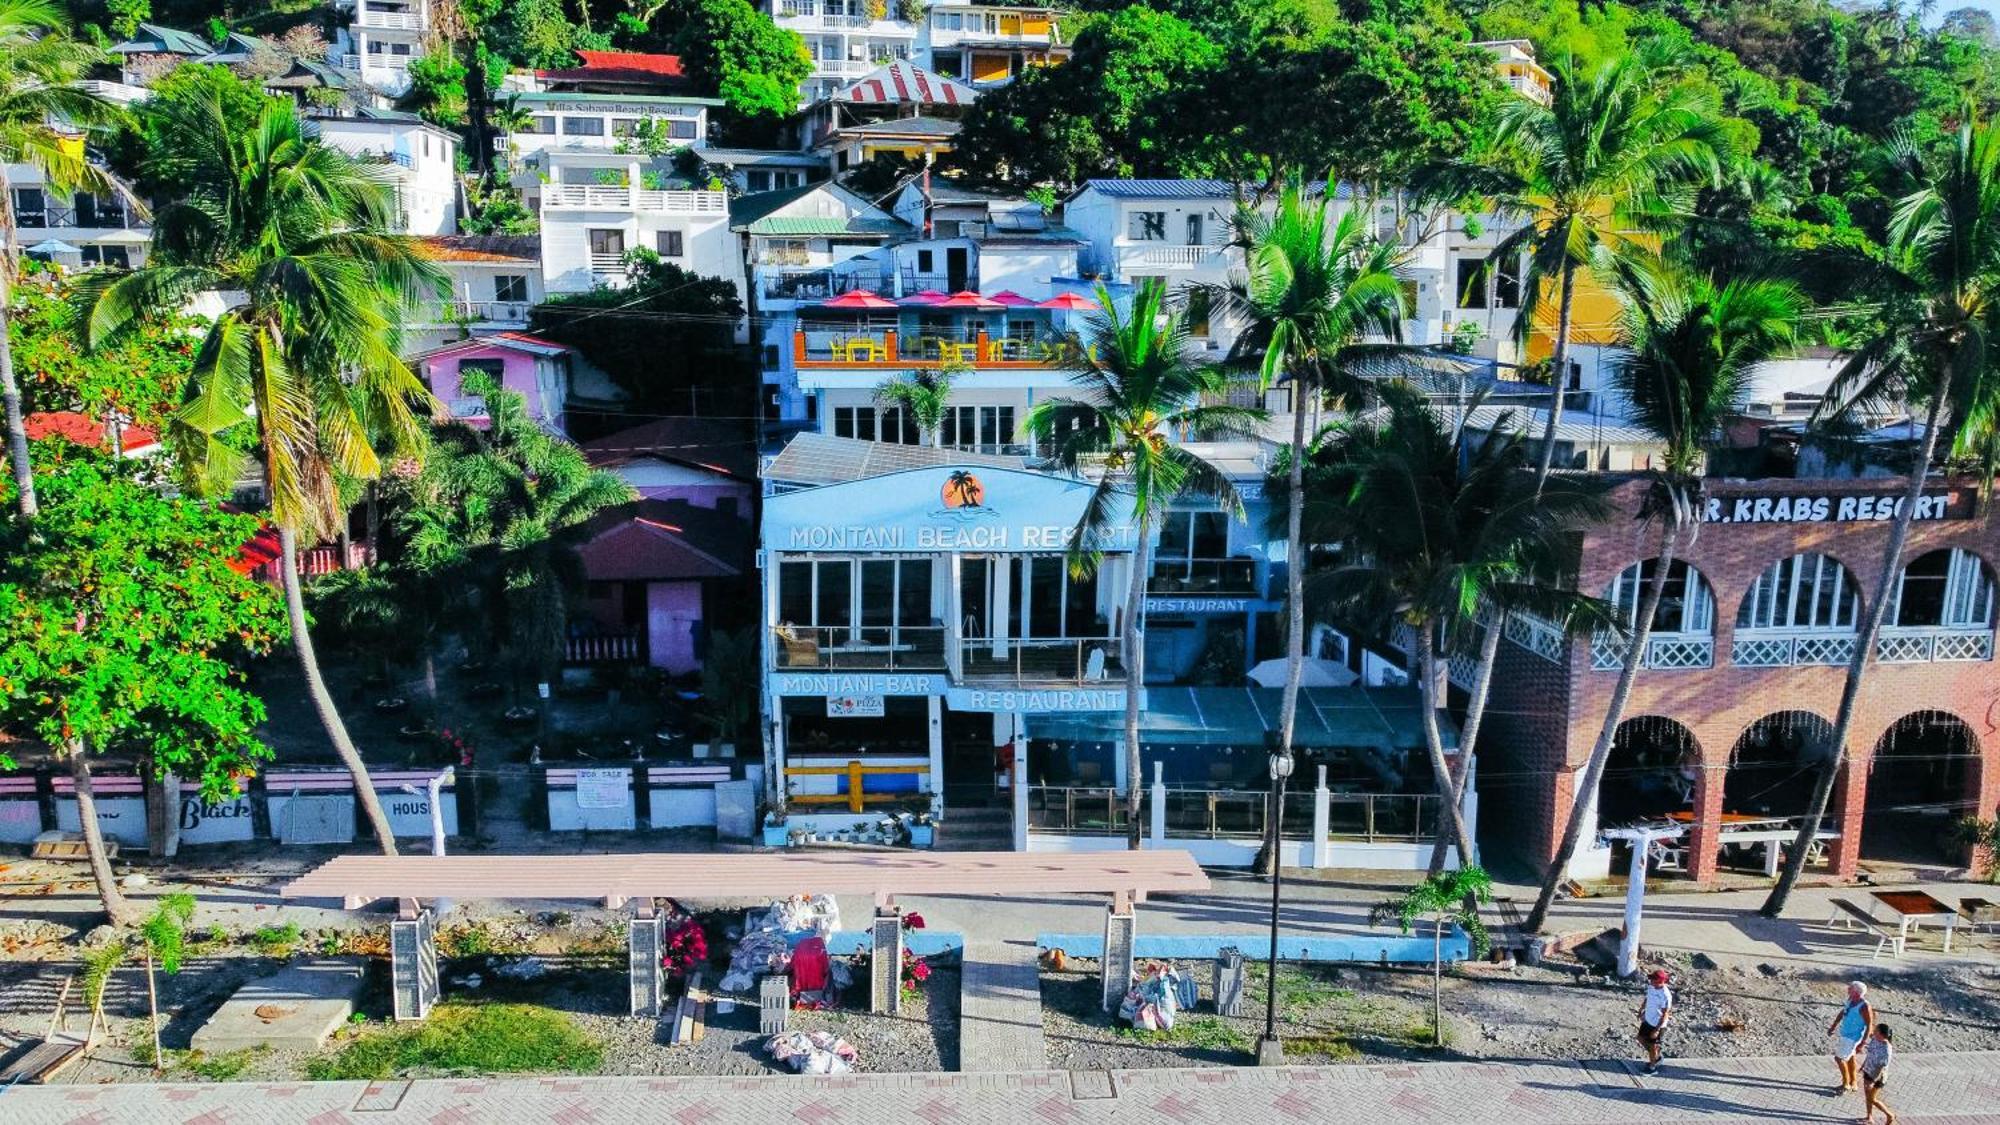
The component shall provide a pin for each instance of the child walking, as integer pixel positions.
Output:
(1875, 1056)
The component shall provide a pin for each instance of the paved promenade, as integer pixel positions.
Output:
(1000, 1009)
(1925, 1088)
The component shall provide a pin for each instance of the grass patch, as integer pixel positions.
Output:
(218, 1068)
(1331, 1045)
(468, 1039)
(276, 941)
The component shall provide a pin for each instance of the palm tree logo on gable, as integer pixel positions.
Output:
(963, 490)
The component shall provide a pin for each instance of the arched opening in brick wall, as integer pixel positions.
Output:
(1654, 766)
(1923, 776)
(1774, 763)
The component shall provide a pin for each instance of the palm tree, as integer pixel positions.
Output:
(1443, 899)
(1689, 347)
(508, 506)
(1616, 153)
(308, 354)
(41, 105)
(1314, 287)
(1439, 525)
(1941, 276)
(1139, 390)
(923, 394)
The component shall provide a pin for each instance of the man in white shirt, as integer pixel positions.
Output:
(1659, 1005)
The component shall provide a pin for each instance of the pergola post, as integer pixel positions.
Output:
(1121, 930)
(1322, 849)
(885, 975)
(413, 969)
(646, 938)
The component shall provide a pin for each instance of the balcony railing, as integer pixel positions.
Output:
(608, 265)
(604, 648)
(388, 21)
(1173, 257)
(1034, 660)
(1785, 648)
(812, 285)
(854, 648)
(873, 350)
(1663, 650)
(503, 312)
(1235, 814)
(1203, 576)
(616, 197)
(1543, 638)
(1924, 644)
(1080, 810)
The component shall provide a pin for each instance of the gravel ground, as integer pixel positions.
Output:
(1337, 1014)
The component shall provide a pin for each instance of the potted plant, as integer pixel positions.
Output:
(775, 834)
(923, 830)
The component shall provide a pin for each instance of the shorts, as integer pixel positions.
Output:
(1648, 1034)
(1875, 1081)
(1843, 1049)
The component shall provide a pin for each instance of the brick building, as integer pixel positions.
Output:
(1743, 675)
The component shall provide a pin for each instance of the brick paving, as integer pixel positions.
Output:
(1942, 1089)
(1000, 1009)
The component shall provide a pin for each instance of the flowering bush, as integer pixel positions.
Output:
(913, 921)
(915, 972)
(686, 947)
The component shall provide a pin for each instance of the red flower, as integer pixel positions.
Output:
(913, 921)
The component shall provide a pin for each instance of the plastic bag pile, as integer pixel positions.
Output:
(812, 1052)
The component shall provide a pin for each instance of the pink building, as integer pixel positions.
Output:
(536, 369)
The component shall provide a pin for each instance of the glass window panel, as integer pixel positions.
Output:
(836, 590)
(1045, 596)
(878, 592)
(795, 593)
(913, 592)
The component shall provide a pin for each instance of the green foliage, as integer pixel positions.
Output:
(729, 683)
(499, 211)
(672, 330)
(224, 1067)
(98, 965)
(461, 1038)
(735, 50)
(1976, 832)
(276, 940)
(124, 626)
(1449, 897)
(127, 15)
(141, 376)
(530, 33)
(158, 148)
(165, 930)
(437, 89)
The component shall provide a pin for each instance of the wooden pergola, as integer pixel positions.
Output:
(1128, 877)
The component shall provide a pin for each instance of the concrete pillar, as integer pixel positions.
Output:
(936, 727)
(1121, 930)
(885, 975)
(1157, 828)
(1322, 849)
(646, 939)
(413, 971)
(999, 600)
(163, 816)
(1704, 838)
(1020, 793)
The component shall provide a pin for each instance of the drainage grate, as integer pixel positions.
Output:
(381, 1097)
(1091, 1085)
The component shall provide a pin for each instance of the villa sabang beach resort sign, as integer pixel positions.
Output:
(972, 509)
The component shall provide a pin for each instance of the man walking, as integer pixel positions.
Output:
(1653, 1014)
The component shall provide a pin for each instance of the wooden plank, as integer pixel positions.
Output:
(43, 1061)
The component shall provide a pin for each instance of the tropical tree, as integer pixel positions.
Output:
(1139, 392)
(307, 361)
(124, 626)
(925, 395)
(1447, 898)
(1614, 157)
(41, 107)
(1314, 288)
(506, 507)
(1437, 527)
(1941, 277)
(1689, 347)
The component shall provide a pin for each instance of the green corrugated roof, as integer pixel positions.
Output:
(1386, 718)
(826, 224)
(153, 38)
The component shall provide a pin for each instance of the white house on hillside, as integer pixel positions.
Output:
(422, 160)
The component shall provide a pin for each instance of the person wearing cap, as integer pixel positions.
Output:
(1658, 1005)
(1849, 1029)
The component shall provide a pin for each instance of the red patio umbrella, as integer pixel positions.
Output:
(1012, 300)
(858, 299)
(1070, 302)
(925, 297)
(966, 299)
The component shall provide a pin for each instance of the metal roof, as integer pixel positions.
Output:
(361, 878)
(1343, 717)
(815, 458)
(538, 97)
(826, 224)
(1576, 428)
(905, 83)
(1186, 189)
(900, 127)
(154, 39)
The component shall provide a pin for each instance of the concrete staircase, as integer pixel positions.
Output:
(976, 830)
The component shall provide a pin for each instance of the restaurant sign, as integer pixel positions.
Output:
(856, 684)
(1832, 509)
(978, 508)
(1037, 701)
(1198, 604)
(855, 707)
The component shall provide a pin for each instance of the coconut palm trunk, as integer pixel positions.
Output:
(116, 907)
(322, 700)
(1558, 373)
(1583, 799)
(1295, 603)
(1452, 818)
(1857, 666)
(1468, 732)
(1134, 643)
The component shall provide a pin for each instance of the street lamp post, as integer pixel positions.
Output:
(1270, 1051)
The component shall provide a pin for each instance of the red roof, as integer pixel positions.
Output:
(904, 82)
(620, 66)
(262, 550)
(86, 431)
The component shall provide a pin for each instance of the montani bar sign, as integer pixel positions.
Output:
(1814, 508)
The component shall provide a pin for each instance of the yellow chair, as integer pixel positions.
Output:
(866, 350)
